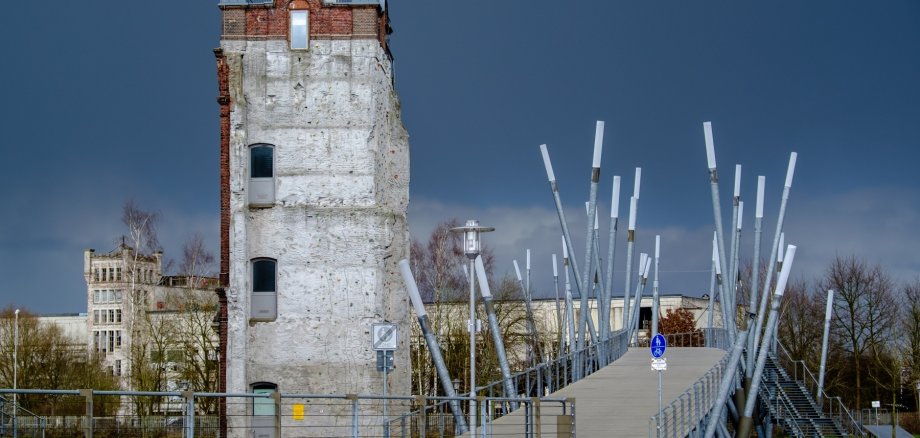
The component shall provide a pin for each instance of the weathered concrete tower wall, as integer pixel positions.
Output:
(334, 225)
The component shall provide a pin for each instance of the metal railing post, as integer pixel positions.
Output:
(537, 418)
(528, 413)
(540, 379)
(484, 419)
(422, 427)
(190, 414)
(354, 414)
(276, 397)
(87, 395)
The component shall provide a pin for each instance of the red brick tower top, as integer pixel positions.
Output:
(327, 19)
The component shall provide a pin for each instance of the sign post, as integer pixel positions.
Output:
(659, 363)
(876, 404)
(385, 340)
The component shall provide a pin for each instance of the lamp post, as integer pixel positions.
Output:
(456, 383)
(918, 396)
(15, 369)
(472, 247)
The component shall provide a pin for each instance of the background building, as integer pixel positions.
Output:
(119, 289)
(153, 332)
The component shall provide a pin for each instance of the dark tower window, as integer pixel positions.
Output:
(262, 160)
(264, 305)
(261, 175)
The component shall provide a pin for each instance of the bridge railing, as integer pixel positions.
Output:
(16, 420)
(557, 373)
(833, 407)
(689, 410)
(537, 381)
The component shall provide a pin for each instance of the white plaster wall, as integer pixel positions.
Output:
(71, 326)
(338, 227)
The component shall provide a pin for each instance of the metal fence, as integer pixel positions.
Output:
(15, 420)
(110, 414)
(555, 374)
(88, 413)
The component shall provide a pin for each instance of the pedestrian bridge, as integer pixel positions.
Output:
(620, 399)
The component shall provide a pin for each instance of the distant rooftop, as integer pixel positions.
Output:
(59, 315)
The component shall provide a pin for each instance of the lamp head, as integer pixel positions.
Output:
(472, 241)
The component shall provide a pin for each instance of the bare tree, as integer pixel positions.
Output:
(801, 323)
(197, 261)
(910, 327)
(864, 312)
(149, 337)
(195, 307)
(142, 227)
(438, 268)
(47, 358)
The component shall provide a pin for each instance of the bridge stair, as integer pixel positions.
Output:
(792, 407)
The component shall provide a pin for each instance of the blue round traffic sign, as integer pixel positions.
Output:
(658, 345)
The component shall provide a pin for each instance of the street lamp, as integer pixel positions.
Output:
(15, 369)
(472, 247)
(456, 383)
(918, 396)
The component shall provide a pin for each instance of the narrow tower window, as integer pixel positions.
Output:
(300, 29)
(261, 175)
(264, 305)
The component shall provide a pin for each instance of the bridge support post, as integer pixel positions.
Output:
(87, 395)
(536, 417)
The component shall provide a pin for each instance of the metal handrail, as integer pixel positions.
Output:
(546, 377)
(693, 406)
(852, 426)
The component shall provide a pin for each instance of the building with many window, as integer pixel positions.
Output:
(120, 285)
(149, 328)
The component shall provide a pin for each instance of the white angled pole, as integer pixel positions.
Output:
(494, 328)
(432, 343)
(731, 281)
(747, 422)
(728, 315)
(631, 243)
(569, 302)
(566, 236)
(712, 293)
(559, 317)
(777, 248)
(611, 254)
(589, 235)
(755, 281)
(655, 305)
(828, 312)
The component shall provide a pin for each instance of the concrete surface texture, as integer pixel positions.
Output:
(337, 227)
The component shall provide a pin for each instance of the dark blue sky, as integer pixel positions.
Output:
(111, 100)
